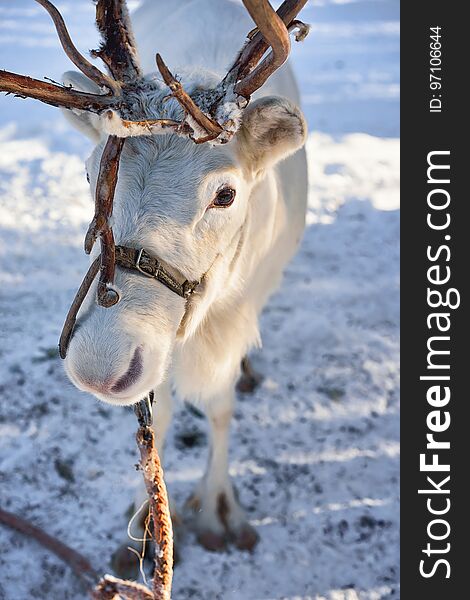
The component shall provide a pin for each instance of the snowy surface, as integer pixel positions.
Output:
(315, 450)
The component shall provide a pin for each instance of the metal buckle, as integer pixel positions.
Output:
(139, 268)
(189, 287)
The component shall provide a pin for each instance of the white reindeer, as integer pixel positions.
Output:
(228, 215)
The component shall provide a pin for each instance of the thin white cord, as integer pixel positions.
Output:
(129, 525)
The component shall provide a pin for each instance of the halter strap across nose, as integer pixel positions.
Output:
(129, 258)
(141, 261)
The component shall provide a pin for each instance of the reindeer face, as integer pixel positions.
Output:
(187, 205)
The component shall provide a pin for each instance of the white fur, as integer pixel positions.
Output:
(166, 184)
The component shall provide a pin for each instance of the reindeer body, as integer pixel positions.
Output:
(171, 199)
(205, 365)
(203, 341)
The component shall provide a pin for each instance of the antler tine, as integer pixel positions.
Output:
(71, 51)
(210, 127)
(100, 226)
(55, 95)
(80, 296)
(113, 124)
(118, 49)
(272, 32)
(247, 74)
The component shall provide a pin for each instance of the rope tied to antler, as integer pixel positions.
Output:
(159, 512)
(158, 506)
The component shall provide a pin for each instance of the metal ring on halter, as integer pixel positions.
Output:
(143, 410)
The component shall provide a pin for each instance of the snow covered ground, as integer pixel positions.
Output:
(315, 450)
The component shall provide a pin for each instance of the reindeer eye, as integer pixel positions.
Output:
(224, 198)
(87, 177)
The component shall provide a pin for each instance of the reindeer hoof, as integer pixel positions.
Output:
(247, 384)
(216, 539)
(125, 563)
(249, 379)
(214, 542)
(246, 538)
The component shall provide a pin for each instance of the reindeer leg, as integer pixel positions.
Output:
(218, 517)
(124, 562)
(249, 379)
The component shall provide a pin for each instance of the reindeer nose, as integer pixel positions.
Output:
(97, 373)
(131, 375)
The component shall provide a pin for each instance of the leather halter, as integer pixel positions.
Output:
(141, 261)
(128, 258)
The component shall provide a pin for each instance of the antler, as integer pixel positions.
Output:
(275, 33)
(247, 74)
(100, 226)
(71, 51)
(55, 95)
(249, 78)
(118, 49)
(211, 127)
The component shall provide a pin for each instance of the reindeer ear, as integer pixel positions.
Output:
(272, 129)
(86, 122)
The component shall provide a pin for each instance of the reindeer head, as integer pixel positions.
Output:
(171, 173)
